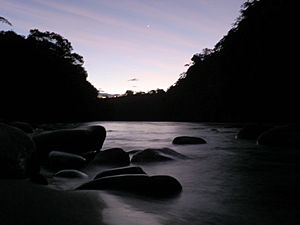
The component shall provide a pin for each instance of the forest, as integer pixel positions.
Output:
(250, 75)
(42, 80)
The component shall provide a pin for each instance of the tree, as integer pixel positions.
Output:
(42, 79)
(56, 43)
(129, 93)
(3, 20)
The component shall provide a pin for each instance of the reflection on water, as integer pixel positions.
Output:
(226, 181)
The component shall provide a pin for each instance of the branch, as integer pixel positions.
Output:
(3, 20)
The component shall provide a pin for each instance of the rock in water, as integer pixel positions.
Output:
(71, 174)
(151, 186)
(252, 132)
(26, 127)
(77, 140)
(282, 136)
(64, 160)
(16, 149)
(112, 156)
(156, 155)
(120, 171)
(187, 140)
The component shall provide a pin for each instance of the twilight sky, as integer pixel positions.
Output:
(136, 45)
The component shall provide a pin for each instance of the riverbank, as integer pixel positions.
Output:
(226, 181)
(25, 203)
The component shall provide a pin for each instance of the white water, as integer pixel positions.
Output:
(225, 181)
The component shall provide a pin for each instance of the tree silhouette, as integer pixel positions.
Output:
(3, 20)
(43, 80)
(250, 74)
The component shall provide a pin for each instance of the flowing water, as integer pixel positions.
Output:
(226, 181)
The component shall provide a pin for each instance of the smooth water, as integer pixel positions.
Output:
(225, 181)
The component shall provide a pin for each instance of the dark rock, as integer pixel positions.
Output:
(154, 186)
(132, 152)
(71, 174)
(163, 186)
(64, 160)
(113, 156)
(186, 140)
(33, 165)
(89, 156)
(156, 155)
(283, 136)
(76, 140)
(121, 171)
(252, 132)
(16, 149)
(38, 179)
(26, 127)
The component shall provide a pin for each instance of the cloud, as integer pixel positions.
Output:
(133, 79)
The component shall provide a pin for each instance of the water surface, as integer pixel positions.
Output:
(225, 181)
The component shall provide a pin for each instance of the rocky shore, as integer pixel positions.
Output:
(49, 173)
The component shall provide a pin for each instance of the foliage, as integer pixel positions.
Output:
(3, 20)
(250, 74)
(42, 79)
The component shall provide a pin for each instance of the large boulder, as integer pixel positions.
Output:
(63, 160)
(252, 132)
(154, 186)
(74, 140)
(70, 173)
(156, 155)
(26, 127)
(113, 156)
(187, 140)
(16, 150)
(120, 171)
(282, 136)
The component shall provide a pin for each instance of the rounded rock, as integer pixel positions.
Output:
(282, 136)
(16, 149)
(113, 156)
(156, 155)
(187, 140)
(64, 160)
(120, 171)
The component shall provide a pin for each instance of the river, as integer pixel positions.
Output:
(226, 181)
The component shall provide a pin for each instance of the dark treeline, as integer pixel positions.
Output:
(42, 80)
(152, 106)
(250, 75)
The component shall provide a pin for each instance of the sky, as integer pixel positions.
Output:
(138, 45)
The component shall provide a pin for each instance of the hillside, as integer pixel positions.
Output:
(250, 74)
(43, 80)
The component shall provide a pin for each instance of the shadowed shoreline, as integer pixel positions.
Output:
(23, 202)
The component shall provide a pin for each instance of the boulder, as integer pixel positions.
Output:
(120, 171)
(71, 174)
(76, 140)
(252, 132)
(64, 160)
(187, 140)
(113, 156)
(16, 149)
(38, 179)
(26, 127)
(282, 136)
(156, 155)
(89, 156)
(132, 152)
(154, 186)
